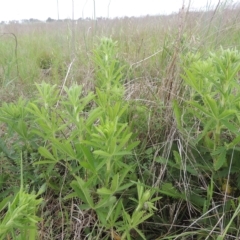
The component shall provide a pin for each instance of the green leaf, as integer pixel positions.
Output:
(140, 233)
(220, 159)
(83, 191)
(89, 158)
(102, 153)
(234, 142)
(45, 153)
(21, 129)
(122, 153)
(93, 115)
(139, 217)
(42, 189)
(123, 141)
(65, 147)
(121, 129)
(105, 202)
(230, 126)
(191, 170)
(169, 190)
(105, 191)
(197, 200)
(125, 171)
(132, 145)
(4, 202)
(71, 195)
(201, 109)
(116, 211)
(124, 187)
(190, 79)
(102, 216)
(225, 114)
(212, 105)
(218, 151)
(115, 182)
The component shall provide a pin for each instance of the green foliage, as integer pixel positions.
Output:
(81, 144)
(20, 220)
(109, 72)
(110, 142)
(21, 214)
(89, 136)
(213, 91)
(16, 117)
(214, 102)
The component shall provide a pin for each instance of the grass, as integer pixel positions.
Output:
(198, 200)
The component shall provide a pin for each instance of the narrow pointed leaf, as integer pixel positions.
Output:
(45, 153)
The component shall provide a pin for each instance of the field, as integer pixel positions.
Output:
(121, 129)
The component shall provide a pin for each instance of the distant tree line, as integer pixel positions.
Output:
(50, 20)
(33, 20)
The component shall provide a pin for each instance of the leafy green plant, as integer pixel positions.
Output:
(213, 109)
(16, 118)
(20, 220)
(54, 130)
(109, 71)
(104, 149)
(214, 102)
(87, 135)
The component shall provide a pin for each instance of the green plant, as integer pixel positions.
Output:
(89, 137)
(109, 72)
(213, 110)
(215, 95)
(20, 220)
(54, 127)
(109, 140)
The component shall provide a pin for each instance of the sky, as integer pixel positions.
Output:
(43, 9)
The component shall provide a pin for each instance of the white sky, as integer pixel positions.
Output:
(42, 9)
